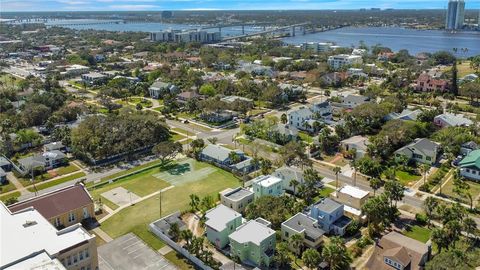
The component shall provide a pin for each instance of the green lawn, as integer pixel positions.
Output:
(109, 203)
(416, 232)
(26, 180)
(178, 260)
(142, 183)
(137, 217)
(15, 194)
(139, 100)
(324, 192)
(176, 137)
(9, 80)
(67, 169)
(57, 181)
(305, 137)
(7, 187)
(183, 131)
(407, 178)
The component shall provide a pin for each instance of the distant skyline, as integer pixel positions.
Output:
(153, 5)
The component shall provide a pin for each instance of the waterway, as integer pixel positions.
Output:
(396, 38)
(84, 24)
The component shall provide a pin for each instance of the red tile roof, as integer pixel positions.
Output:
(57, 202)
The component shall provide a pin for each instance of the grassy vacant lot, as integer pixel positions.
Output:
(16, 194)
(416, 232)
(58, 181)
(464, 69)
(474, 189)
(407, 178)
(137, 217)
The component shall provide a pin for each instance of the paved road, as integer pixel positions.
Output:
(363, 184)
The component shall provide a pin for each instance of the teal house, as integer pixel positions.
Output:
(253, 243)
(267, 185)
(221, 222)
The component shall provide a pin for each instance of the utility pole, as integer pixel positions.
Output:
(160, 201)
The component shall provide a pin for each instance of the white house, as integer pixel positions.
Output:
(340, 60)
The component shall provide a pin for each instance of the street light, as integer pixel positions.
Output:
(32, 168)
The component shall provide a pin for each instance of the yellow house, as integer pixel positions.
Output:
(63, 207)
(353, 198)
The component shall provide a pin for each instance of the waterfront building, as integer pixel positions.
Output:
(185, 36)
(340, 60)
(455, 14)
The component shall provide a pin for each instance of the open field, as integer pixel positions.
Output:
(137, 217)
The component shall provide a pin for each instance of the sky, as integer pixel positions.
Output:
(150, 5)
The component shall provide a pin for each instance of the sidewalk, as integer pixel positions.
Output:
(17, 184)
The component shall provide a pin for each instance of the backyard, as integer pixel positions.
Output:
(203, 180)
(416, 232)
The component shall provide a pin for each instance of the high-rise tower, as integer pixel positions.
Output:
(455, 14)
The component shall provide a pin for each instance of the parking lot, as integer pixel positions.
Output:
(130, 253)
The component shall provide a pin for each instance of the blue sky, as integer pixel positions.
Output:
(86, 5)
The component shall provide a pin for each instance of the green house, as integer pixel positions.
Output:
(470, 166)
(253, 243)
(221, 222)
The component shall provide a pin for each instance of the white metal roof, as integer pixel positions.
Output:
(31, 233)
(353, 191)
(218, 217)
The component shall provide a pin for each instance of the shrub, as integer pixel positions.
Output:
(352, 228)
(421, 219)
(425, 187)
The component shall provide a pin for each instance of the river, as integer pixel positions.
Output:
(396, 38)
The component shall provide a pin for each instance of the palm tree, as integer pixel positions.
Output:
(375, 183)
(194, 202)
(337, 170)
(186, 235)
(294, 183)
(424, 168)
(335, 254)
(174, 232)
(234, 157)
(283, 118)
(296, 242)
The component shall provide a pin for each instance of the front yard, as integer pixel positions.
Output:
(407, 178)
